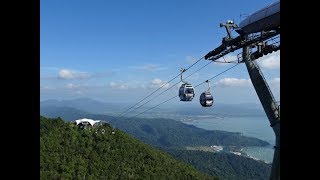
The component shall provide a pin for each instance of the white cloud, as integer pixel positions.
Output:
(127, 85)
(119, 85)
(66, 74)
(194, 77)
(275, 87)
(230, 57)
(271, 61)
(71, 86)
(149, 67)
(100, 75)
(234, 82)
(46, 88)
(275, 82)
(70, 74)
(49, 68)
(78, 93)
(158, 83)
(143, 86)
(191, 59)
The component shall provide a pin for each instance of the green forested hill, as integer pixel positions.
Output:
(225, 165)
(67, 152)
(169, 133)
(160, 132)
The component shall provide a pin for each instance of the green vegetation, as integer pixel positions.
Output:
(172, 137)
(161, 132)
(67, 152)
(174, 134)
(201, 148)
(224, 165)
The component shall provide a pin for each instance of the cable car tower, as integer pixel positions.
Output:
(255, 33)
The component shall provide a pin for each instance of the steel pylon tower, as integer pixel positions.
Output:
(256, 31)
(269, 104)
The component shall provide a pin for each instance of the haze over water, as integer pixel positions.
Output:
(249, 126)
(251, 123)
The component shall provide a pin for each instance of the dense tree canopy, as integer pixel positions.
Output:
(67, 152)
(224, 165)
(168, 135)
(161, 132)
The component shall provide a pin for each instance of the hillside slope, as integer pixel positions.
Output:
(225, 165)
(160, 132)
(67, 152)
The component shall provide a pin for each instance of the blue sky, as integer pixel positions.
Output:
(123, 50)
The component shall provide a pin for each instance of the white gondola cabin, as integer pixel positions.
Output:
(206, 99)
(186, 92)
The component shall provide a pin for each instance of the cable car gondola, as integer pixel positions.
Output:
(206, 99)
(186, 91)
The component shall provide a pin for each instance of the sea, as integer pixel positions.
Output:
(257, 126)
(249, 120)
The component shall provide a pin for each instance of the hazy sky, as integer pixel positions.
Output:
(123, 50)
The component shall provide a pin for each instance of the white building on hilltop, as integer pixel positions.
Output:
(84, 123)
(217, 148)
